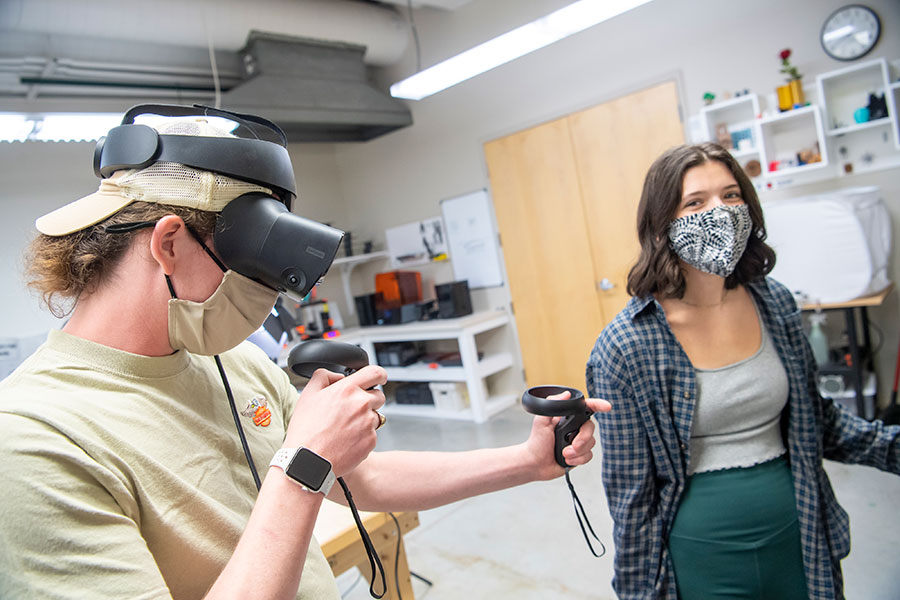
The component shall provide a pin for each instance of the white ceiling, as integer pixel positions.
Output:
(48, 46)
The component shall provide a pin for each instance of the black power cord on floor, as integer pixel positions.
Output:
(397, 560)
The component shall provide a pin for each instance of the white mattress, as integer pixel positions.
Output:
(830, 247)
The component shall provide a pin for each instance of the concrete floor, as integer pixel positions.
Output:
(525, 542)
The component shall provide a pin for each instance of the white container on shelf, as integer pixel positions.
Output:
(449, 396)
(831, 247)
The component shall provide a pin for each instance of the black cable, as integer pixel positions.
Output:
(428, 582)
(415, 32)
(237, 422)
(374, 559)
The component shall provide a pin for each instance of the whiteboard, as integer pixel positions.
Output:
(472, 239)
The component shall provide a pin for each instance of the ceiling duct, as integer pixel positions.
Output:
(316, 91)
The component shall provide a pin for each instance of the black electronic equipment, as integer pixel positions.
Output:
(259, 238)
(261, 159)
(396, 354)
(367, 309)
(337, 357)
(256, 235)
(453, 299)
(416, 392)
(575, 413)
(344, 358)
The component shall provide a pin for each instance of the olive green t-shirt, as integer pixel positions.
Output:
(122, 476)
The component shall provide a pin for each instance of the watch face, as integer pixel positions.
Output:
(850, 32)
(309, 468)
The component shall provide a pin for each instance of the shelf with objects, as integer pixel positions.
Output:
(345, 266)
(860, 115)
(734, 124)
(847, 123)
(456, 351)
(793, 142)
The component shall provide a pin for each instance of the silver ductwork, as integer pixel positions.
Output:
(316, 91)
(106, 55)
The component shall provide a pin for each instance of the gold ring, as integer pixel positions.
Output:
(381, 420)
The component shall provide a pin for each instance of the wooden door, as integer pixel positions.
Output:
(615, 143)
(564, 196)
(546, 246)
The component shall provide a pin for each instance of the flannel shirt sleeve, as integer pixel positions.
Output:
(628, 475)
(846, 437)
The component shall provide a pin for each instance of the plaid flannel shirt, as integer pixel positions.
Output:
(639, 366)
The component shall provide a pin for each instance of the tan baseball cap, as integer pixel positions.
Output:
(163, 182)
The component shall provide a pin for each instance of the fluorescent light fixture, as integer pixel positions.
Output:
(576, 17)
(14, 127)
(74, 127)
(77, 127)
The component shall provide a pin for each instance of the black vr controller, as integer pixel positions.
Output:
(337, 357)
(344, 358)
(574, 412)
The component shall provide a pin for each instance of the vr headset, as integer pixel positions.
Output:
(256, 235)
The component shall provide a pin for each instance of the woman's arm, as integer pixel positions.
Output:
(628, 478)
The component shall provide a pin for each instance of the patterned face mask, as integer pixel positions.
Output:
(714, 240)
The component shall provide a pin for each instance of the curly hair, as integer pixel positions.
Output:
(657, 270)
(61, 268)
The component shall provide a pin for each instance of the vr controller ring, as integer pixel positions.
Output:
(535, 400)
(337, 357)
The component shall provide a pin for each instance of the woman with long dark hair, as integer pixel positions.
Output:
(712, 453)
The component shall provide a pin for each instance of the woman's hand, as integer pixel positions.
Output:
(540, 446)
(335, 416)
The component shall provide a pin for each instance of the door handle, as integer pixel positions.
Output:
(604, 285)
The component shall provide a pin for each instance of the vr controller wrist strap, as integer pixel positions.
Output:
(579, 513)
(374, 559)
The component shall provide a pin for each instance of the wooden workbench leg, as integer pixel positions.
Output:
(386, 545)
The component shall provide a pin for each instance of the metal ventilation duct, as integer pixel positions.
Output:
(315, 90)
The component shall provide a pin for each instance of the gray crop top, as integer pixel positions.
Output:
(737, 412)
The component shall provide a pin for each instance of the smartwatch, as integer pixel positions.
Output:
(302, 465)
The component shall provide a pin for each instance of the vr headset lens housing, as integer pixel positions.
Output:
(259, 238)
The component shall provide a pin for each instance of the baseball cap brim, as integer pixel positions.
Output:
(84, 212)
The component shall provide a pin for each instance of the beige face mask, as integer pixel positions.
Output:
(237, 308)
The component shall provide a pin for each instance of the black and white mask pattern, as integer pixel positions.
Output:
(714, 240)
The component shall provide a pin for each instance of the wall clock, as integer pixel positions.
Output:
(850, 32)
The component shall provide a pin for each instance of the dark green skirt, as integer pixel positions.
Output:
(736, 535)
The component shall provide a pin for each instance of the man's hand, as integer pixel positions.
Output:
(335, 416)
(541, 443)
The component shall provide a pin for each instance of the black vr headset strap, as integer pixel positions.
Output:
(251, 122)
(256, 161)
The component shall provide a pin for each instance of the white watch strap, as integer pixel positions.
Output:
(283, 458)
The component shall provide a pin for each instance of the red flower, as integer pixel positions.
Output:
(785, 54)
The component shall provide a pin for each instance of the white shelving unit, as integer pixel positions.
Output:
(786, 133)
(346, 264)
(869, 145)
(844, 145)
(737, 115)
(473, 372)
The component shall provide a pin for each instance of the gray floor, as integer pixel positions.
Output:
(525, 542)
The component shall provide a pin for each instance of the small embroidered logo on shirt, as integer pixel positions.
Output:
(258, 411)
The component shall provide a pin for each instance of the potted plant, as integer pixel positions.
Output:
(790, 95)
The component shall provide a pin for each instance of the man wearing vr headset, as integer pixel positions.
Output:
(122, 474)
